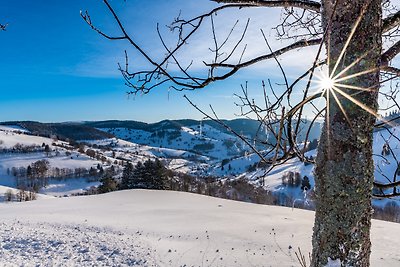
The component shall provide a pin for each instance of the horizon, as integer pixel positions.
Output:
(106, 120)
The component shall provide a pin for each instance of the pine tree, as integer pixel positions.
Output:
(29, 171)
(150, 175)
(108, 184)
(159, 178)
(139, 177)
(127, 177)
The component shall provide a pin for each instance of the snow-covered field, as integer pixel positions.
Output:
(161, 228)
(67, 187)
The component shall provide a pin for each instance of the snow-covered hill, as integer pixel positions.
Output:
(19, 149)
(386, 166)
(161, 228)
(202, 140)
(200, 150)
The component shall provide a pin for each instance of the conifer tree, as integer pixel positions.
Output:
(108, 184)
(127, 175)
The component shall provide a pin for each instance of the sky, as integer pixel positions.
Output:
(54, 68)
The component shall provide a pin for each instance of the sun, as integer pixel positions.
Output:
(327, 83)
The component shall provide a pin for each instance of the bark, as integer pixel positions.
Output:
(344, 166)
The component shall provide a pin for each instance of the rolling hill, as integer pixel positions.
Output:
(160, 228)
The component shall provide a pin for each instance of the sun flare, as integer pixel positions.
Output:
(326, 82)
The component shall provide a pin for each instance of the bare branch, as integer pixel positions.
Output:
(384, 196)
(299, 24)
(390, 53)
(144, 81)
(304, 4)
(391, 21)
(296, 45)
(391, 70)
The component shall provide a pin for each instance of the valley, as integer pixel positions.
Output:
(200, 156)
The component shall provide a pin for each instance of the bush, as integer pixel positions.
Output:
(9, 195)
(91, 153)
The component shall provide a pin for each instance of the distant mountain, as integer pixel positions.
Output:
(117, 124)
(74, 131)
(246, 127)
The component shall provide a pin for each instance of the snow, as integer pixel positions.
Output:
(25, 159)
(164, 228)
(67, 187)
(149, 228)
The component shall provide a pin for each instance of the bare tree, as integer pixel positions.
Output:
(9, 195)
(349, 37)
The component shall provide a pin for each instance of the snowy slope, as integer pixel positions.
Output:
(385, 167)
(179, 160)
(160, 228)
(192, 138)
(11, 136)
(113, 149)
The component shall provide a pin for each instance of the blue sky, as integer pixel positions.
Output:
(53, 67)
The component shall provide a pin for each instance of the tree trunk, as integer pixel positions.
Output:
(344, 170)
